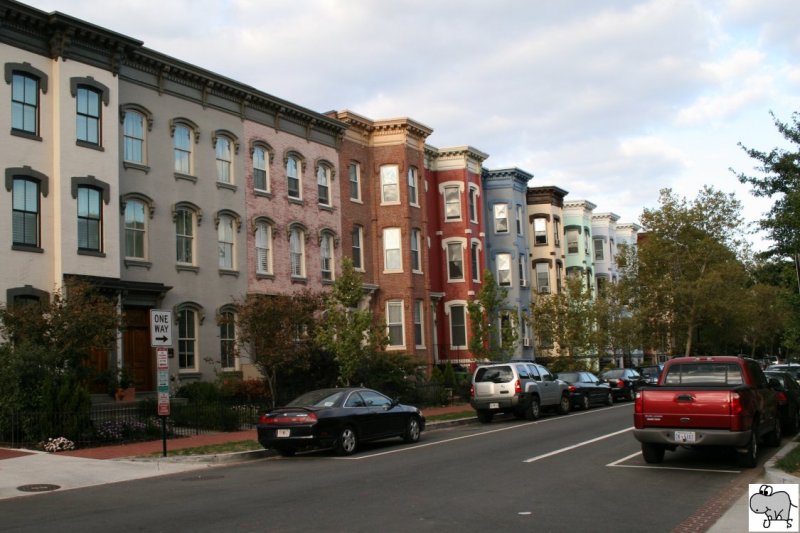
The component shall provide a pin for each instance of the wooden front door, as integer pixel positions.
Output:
(137, 355)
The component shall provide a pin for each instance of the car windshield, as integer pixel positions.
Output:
(704, 374)
(571, 377)
(777, 375)
(494, 374)
(317, 398)
(614, 373)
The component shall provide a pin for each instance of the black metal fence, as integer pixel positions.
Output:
(112, 424)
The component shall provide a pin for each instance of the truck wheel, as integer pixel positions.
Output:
(749, 458)
(534, 410)
(653, 453)
(484, 417)
(564, 405)
(773, 438)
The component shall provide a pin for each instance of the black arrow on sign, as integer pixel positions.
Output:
(162, 339)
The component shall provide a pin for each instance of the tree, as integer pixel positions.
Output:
(279, 332)
(781, 181)
(563, 323)
(348, 332)
(494, 330)
(690, 265)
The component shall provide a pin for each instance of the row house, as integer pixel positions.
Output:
(604, 248)
(457, 245)
(508, 248)
(578, 237)
(545, 210)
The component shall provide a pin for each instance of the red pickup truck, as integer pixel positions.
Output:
(708, 401)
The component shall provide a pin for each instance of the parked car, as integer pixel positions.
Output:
(792, 368)
(650, 372)
(517, 387)
(624, 382)
(788, 400)
(586, 389)
(338, 418)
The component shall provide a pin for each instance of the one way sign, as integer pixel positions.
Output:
(160, 328)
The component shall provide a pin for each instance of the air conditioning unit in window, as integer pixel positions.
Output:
(526, 342)
(544, 290)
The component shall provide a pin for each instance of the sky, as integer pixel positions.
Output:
(611, 100)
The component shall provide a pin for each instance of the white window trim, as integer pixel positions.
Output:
(477, 191)
(415, 232)
(268, 229)
(463, 242)
(402, 325)
(447, 307)
(421, 304)
(476, 276)
(495, 219)
(357, 166)
(398, 184)
(510, 268)
(415, 172)
(447, 185)
(360, 230)
(400, 244)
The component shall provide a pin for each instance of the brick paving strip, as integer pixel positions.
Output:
(6, 453)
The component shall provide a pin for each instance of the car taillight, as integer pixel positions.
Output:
(304, 418)
(573, 388)
(517, 387)
(736, 404)
(472, 391)
(620, 383)
(782, 396)
(639, 404)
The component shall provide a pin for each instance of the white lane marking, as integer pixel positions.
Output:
(488, 432)
(584, 443)
(631, 456)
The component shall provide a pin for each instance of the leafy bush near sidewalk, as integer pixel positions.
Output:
(790, 463)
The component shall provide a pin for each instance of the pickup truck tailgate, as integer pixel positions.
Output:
(686, 408)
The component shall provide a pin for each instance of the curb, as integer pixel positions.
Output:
(773, 474)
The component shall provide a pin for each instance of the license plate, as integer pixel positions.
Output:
(684, 436)
(494, 406)
(283, 433)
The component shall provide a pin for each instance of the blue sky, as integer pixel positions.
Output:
(610, 100)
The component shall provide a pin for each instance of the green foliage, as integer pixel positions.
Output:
(199, 391)
(393, 374)
(564, 321)
(492, 338)
(349, 332)
(449, 376)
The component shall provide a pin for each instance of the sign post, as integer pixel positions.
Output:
(161, 340)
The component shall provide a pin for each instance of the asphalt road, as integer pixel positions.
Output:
(580, 472)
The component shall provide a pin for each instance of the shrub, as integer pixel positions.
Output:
(199, 391)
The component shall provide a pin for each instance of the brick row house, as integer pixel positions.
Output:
(172, 187)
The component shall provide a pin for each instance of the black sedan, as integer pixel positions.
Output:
(586, 389)
(788, 400)
(624, 382)
(338, 418)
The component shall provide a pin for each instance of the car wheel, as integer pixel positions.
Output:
(585, 402)
(564, 405)
(774, 437)
(484, 417)
(347, 442)
(653, 453)
(534, 410)
(749, 458)
(631, 394)
(610, 399)
(285, 451)
(412, 430)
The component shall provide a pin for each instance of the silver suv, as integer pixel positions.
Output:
(521, 388)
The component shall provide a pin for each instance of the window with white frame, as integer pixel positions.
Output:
(542, 278)
(458, 326)
(90, 219)
(355, 181)
(297, 242)
(324, 185)
(416, 243)
(501, 218)
(293, 172)
(586, 241)
(227, 340)
(184, 235)
(224, 155)
(358, 247)
(392, 252)
(539, 231)
(556, 231)
(133, 129)
(187, 339)
(598, 250)
(475, 258)
(452, 203)
(263, 247)
(390, 192)
(88, 115)
(326, 256)
(25, 212)
(135, 229)
(572, 241)
(182, 149)
(225, 242)
(260, 169)
(419, 339)
(503, 269)
(473, 204)
(394, 323)
(413, 195)
(519, 219)
(455, 261)
(521, 267)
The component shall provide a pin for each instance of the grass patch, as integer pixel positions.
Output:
(468, 413)
(225, 447)
(790, 463)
